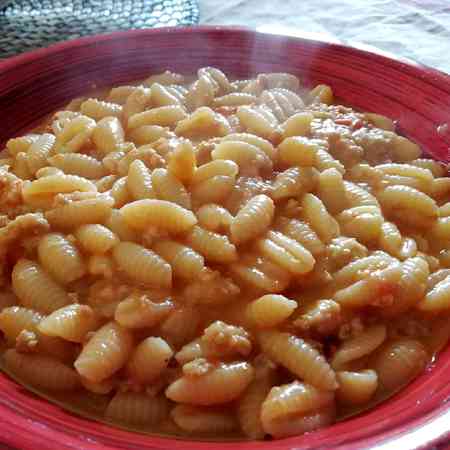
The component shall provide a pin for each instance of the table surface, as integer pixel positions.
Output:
(415, 29)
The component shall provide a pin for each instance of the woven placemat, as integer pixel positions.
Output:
(29, 24)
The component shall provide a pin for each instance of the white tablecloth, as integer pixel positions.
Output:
(415, 29)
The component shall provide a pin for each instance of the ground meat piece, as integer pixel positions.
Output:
(19, 230)
(244, 189)
(221, 340)
(26, 225)
(323, 317)
(211, 287)
(10, 192)
(377, 144)
(203, 150)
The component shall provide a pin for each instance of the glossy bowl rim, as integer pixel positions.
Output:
(393, 436)
(428, 73)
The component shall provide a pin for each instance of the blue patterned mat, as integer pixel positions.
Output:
(29, 24)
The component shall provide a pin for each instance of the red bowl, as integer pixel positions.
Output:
(34, 84)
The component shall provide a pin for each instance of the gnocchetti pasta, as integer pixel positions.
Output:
(219, 258)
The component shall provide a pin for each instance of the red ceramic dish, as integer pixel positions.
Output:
(37, 83)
